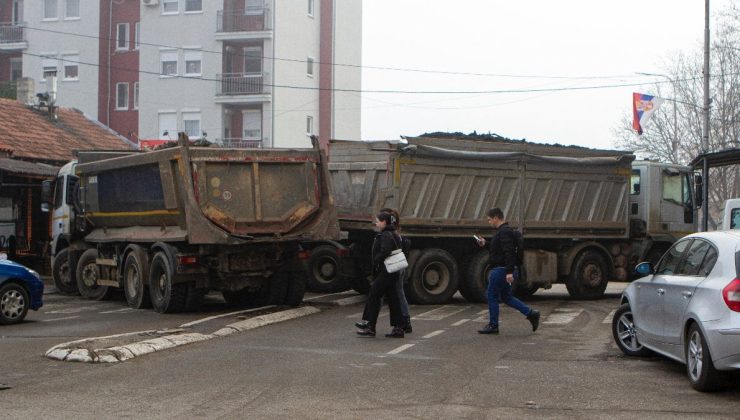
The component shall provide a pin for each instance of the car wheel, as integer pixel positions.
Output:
(623, 330)
(699, 367)
(14, 303)
(63, 273)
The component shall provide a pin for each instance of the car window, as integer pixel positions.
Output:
(672, 257)
(692, 264)
(708, 264)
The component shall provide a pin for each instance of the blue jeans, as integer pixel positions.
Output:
(499, 290)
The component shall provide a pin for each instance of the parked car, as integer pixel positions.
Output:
(21, 289)
(687, 308)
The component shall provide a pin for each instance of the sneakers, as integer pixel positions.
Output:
(489, 329)
(396, 332)
(534, 319)
(366, 332)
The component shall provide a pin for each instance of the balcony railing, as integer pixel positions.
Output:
(239, 143)
(10, 33)
(253, 20)
(241, 84)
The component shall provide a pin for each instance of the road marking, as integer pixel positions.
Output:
(608, 319)
(460, 322)
(562, 316)
(400, 349)
(74, 310)
(433, 334)
(440, 313)
(355, 315)
(119, 310)
(60, 319)
(350, 300)
(482, 312)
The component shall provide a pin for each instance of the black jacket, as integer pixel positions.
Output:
(502, 248)
(385, 242)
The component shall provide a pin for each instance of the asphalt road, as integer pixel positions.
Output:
(315, 366)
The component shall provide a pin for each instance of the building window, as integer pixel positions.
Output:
(193, 60)
(253, 60)
(137, 39)
(253, 7)
(167, 125)
(122, 42)
(136, 95)
(71, 65)
(16, 69)
(168, 62)
(48, 65)
(122, 96)
(191, 124)
(72, 9)
(50, 9)
(311, 7)
(252, 124)
(169, 7)
(309, 66)
(309, 125)
(193, 5)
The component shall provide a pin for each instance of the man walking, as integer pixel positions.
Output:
(503, 271)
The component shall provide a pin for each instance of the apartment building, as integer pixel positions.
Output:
(261, 73)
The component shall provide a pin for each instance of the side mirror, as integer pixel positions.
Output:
(47, 190)
(644, 268)
(699, 196)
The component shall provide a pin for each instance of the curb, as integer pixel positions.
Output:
(84, 351)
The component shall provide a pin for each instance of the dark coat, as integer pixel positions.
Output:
(385, 242)
(502, 248)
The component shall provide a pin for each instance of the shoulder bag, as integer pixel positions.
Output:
(396, 261)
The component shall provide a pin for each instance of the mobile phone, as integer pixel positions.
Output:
(477, 238)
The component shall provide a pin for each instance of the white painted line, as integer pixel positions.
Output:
(608, 319)
(460, 322)
(317, 297)
(199, 321)
(118, 310)
(400, 349)
(74, 310)
(359, 314)
(440, 313)
(562, 316)
(433, 333)
(482, 312)
(350, 300)
(60, 319)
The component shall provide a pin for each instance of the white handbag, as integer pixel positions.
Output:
(396, 261)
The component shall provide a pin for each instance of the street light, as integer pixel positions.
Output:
(674, 142)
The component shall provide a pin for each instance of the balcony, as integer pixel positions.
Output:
(11, 37)
(239, 143)
(242, 88)
(252, 24)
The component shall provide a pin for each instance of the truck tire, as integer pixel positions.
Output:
(324, 274)
(64, 274)
(588, 276)
(474, 284)
(296, 288)
(87, 277)
(135, 274)
(433, 278)
(166, 296)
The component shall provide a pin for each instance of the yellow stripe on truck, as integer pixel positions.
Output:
(134, 213)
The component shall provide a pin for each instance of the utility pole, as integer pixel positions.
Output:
(705, 134)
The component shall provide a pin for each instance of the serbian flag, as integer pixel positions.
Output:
(643, 107)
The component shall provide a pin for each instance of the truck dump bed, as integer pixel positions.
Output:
(443, 187)
(208, 195)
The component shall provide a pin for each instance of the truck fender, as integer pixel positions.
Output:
(566, 258)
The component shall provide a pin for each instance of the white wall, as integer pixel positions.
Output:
(347, 50)
(52, 37)
(157, 93)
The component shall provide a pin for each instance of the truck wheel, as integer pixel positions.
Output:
(474, 285)
(87, 277)
(588, 276)
(167, 297)
(63, 273)
(433, 277)
(296, 287)
(14, 302)
(135, 272)
(324, 274)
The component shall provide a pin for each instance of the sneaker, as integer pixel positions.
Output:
(489, 329)
(361, 324)
(366, 332)
(396, 332)
(407, 325)
(534, 319)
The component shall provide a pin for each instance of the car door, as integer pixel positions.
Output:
(648, 310)
(679, 289)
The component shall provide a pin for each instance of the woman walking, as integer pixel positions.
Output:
(384, 284)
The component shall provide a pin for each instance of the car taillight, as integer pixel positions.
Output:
(731, 295)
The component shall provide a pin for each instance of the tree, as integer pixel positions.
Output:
(686, 88)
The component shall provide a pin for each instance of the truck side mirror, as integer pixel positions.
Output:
(47, 189)
(698, 182)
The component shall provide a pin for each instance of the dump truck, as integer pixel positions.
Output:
(167, 226)
(587, 215)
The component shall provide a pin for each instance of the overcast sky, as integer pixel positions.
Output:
(518, 45)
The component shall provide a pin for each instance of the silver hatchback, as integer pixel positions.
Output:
(687, 308)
